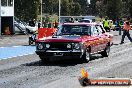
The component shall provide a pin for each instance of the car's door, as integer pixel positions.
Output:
(102, 38)
(95, 39)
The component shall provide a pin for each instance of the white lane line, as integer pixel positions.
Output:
(10, 46)
(17, 56)
(17, 48)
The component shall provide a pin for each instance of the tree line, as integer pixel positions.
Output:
(30, 9)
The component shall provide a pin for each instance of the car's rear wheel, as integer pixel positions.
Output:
(87, 56)
(106, 52)
(43, 59)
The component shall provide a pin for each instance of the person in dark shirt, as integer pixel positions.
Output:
(32, 23)
(39, 24)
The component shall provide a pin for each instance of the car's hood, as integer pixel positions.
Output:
(64, 39)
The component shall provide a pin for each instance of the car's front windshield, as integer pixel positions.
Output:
(74, 30)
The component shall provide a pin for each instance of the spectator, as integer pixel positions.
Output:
(106, 25)
(56, 24)
(32, 23)
(39, 24)
(126, 29)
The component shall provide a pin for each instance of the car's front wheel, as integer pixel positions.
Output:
(43, 59)
(87, 56)
(106, 52)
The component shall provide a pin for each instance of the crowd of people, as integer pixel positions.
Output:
(119, 25)
(112, 24)
(47, 22)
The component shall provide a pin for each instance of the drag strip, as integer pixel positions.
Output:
(15, 51)
(29, 71)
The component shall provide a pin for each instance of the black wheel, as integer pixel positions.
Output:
(43, 59)
(106, 52)
(87, 56)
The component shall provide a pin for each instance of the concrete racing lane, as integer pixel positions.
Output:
(29, 71)
(14, 51)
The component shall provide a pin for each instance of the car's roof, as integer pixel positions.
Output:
(90, 24)
(87, 19)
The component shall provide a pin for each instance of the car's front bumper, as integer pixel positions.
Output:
(60, 54)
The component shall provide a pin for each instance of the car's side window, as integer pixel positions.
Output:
(94, 30)
(89, 31)
(99, 30)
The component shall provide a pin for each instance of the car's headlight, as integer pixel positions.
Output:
(76, 46)
(40, 46)
(47, 45)
(69, 46)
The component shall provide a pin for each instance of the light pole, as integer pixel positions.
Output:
(41, 12)
(59, 10)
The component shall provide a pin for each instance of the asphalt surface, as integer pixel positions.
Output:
(29, 72)
(13, 40)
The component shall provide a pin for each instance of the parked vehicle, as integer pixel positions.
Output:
(74, 41)
(31, 29)
(24, 27)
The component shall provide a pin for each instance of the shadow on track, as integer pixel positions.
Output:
(116, 44)
(61, 63)
(29, 45)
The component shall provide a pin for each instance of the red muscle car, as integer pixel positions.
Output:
(73, 41)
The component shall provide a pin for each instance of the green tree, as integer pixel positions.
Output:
(77, 9)
(130, 7)
(27, 9)
(30, 9)
(50, 6)
(84, 6)
(92, 7)
(70, 8)
(65, 7)
(113, 9)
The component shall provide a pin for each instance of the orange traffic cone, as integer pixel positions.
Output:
(84, 80)
(83, 72)
(86, 74)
